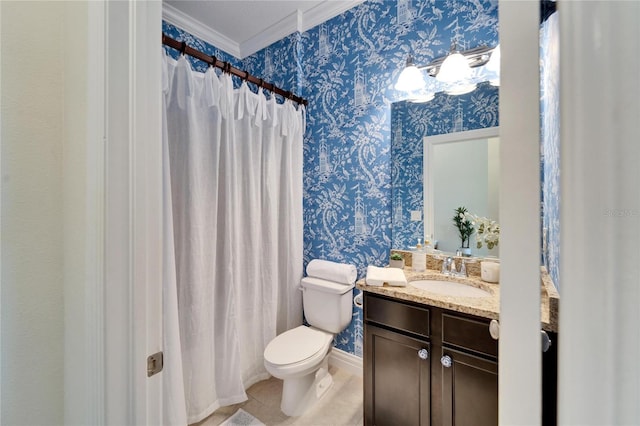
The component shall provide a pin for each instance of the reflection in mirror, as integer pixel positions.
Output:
(410, 124)
(462, 170)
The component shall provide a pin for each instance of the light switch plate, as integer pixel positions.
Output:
(416, 215)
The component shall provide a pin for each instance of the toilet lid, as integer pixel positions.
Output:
(296, 345)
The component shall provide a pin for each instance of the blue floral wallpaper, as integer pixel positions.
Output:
(410, 123)
(550, 145)
(346, 68)
(350, 65)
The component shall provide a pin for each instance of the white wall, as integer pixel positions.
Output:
(32, 305)
(76, 180)
(519, 345)
(599, 349)
(54, 219)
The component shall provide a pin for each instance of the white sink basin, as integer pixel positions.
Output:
(450, 288)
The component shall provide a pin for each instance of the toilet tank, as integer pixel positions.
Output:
(327, 304)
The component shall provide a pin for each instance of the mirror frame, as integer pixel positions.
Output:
(428, 151)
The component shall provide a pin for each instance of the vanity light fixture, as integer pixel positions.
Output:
(454, 68)
(452, 72)
(410, 79)
(455, 73)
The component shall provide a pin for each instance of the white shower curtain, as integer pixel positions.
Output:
(233, 232)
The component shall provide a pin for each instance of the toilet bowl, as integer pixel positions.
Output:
(299, 357)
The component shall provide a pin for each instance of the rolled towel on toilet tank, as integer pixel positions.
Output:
(332, 271)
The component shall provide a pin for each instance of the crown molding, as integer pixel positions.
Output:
(325, 11)
(200, 30)
(296, 21)
(270, 35)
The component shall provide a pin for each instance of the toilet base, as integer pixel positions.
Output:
(300, 393)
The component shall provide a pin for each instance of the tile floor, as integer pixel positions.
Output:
(341, 406)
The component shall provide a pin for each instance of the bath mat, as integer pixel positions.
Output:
(242, 418)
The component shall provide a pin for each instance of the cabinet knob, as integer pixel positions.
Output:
(446, 361)
(423, 354)
(494, 329)
(546, 341)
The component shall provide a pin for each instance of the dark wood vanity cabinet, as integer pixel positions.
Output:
(465, 363)
(401, 387)
(469, 390)
(398, 381)
(397, 378)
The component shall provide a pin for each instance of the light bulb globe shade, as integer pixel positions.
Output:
(454, 68)
(410, 79)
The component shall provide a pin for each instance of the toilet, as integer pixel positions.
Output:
(300, 356)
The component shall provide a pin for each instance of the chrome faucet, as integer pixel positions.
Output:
(446, 265)
(449, 267)
(463, 269)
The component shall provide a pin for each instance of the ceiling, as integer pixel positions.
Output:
(243, 27)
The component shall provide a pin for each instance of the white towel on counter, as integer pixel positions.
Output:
(343, 273)
(393, 276)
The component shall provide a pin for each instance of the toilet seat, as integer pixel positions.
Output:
(297, 345)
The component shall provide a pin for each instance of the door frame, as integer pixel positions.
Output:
(520, 366)
(123, 299)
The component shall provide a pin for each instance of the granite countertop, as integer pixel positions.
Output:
(485, 307)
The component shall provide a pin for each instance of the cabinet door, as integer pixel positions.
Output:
(469, 389)
(550, 383)
(396, 379)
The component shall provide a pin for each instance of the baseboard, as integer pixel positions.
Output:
(346, 361)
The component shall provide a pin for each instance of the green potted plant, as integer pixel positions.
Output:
(465, 229)
(396, 261)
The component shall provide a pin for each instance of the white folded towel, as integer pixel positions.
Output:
(392, 276)
(331, 271)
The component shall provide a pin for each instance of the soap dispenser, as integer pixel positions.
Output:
(429, 244)
(419, 259)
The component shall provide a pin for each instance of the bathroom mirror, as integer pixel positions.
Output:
(461, 169)
(452, 121)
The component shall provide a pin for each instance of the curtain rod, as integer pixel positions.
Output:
(227, 67)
